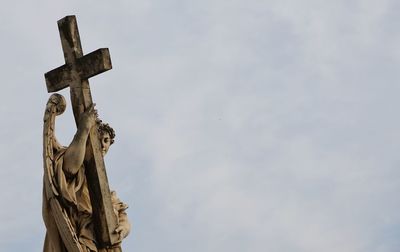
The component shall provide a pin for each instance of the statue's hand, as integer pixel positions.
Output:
(123, 230)
(88, 118)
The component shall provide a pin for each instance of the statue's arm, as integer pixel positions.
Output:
(124, 225)
(75, 153)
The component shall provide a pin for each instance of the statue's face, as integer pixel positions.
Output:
(105, 140)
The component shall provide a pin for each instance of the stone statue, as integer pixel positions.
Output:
(80, 212)
(66, 185)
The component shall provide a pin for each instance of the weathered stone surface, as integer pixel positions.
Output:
(87, 66)
(75, 74)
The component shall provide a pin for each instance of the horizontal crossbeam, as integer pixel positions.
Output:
(87, 66)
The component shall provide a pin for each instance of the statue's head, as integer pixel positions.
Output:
(106, 135)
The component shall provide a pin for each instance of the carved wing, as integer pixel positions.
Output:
(56, 106)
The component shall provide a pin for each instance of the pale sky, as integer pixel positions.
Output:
(241, 125)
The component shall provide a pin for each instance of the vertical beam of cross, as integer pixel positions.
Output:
(75, 73)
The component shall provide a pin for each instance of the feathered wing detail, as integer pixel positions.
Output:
(55, 106)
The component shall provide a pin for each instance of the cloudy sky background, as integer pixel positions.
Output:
(241, 125)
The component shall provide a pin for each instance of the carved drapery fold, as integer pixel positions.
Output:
(55, 106)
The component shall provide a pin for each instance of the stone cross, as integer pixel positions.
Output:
(76, 71)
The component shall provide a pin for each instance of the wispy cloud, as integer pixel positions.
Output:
(241, 126)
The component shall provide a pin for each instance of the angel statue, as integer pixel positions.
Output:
(67, 208)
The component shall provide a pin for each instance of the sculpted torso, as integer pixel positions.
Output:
(71, 183)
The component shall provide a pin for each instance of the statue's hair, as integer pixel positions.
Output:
(105, 127)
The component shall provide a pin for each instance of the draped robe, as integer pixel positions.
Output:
(75, 199)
